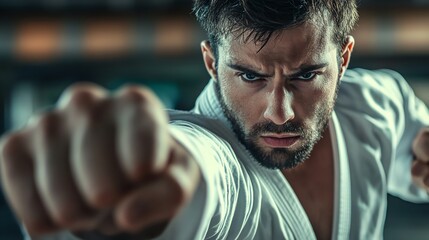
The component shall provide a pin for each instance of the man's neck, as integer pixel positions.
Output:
(321, 151)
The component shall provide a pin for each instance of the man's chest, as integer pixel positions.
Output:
(316, 195)
(313, 184)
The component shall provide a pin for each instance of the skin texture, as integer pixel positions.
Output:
(280, 102)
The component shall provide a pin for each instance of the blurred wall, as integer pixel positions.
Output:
(47, 45)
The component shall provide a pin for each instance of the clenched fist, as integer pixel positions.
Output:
(97, 162)
(420, 169)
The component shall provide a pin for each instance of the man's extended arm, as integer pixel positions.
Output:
(97, 163)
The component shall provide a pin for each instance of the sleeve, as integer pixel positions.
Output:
(194, 220)
(384, 115)
(210, 212)
(412, 115)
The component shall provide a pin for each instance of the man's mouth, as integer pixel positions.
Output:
(280, 140)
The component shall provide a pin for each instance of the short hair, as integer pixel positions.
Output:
(262, 18)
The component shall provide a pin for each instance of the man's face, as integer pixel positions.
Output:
(279, 98)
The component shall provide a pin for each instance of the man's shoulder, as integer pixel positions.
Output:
(365, 90)
(192, 119)
(371, 99)
(373, 80)
(202, 127)
(212, 143)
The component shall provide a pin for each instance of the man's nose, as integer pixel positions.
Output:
(279, 106)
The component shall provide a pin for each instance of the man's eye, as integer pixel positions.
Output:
(249, 77)
(307, 76)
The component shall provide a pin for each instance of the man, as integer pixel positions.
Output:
(269, 151)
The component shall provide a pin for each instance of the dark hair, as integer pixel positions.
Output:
(262, 18)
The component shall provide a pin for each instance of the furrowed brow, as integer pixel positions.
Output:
(306, 69)
(246, 70)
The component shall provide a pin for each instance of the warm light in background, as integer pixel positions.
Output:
(100, 37)
(413, 31)
(38, 39)
(174, 35)
(404, 31)
(107, 38)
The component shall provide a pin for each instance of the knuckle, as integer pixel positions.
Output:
(93, 116)
(81, 95)
(139, 169)
(11, 145)
(136, 94)
(103, 199)
(47, 125)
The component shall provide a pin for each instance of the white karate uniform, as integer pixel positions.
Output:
(372, 128)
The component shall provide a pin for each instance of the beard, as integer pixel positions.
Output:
(279, 158)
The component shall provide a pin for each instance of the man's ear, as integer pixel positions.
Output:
(346, 53)
(209, 59)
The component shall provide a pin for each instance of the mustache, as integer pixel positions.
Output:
(288, 127)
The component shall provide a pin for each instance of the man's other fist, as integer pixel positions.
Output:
(420, 168)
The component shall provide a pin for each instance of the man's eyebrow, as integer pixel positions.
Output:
(306, 68)
(246, 70)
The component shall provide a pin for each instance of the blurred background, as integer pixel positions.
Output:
(47, 45)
